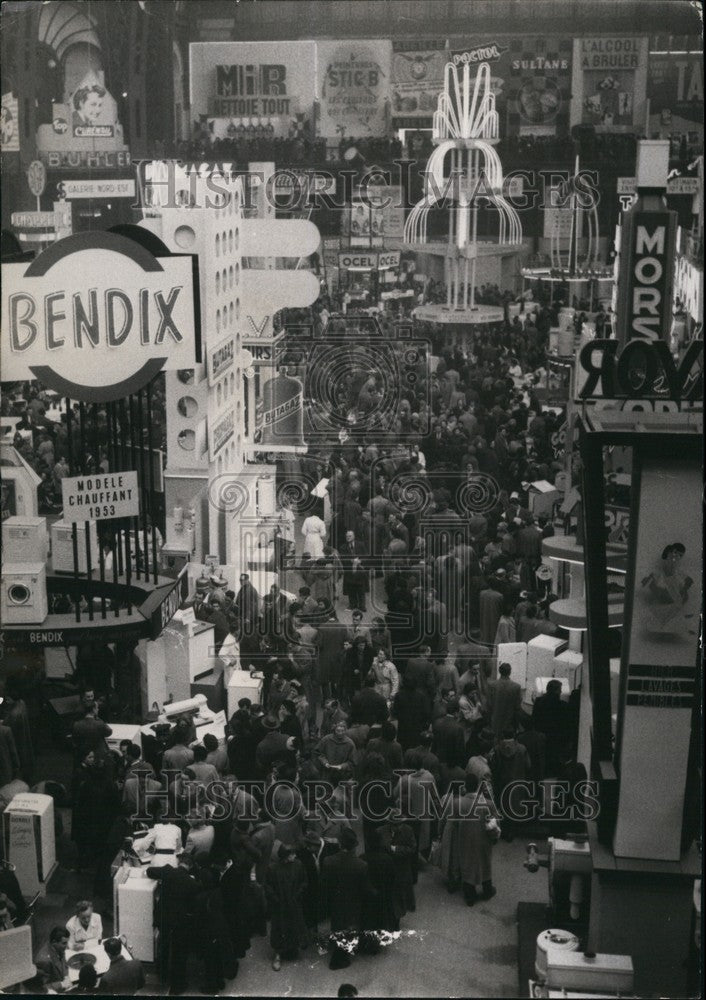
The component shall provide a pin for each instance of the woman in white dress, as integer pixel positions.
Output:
(314, 532)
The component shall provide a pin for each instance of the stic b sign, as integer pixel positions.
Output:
(96, 316)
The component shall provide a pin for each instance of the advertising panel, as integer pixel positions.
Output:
(644, 304)
(96, 316)
(417, 77)
(530, 77)
(84, 132)
(610, 78)
(659, 662)
(10, 135)
(675, 87)
(252, 85)
(354, 88)
(379, 216)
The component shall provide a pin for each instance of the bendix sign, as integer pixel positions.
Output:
(97, 316)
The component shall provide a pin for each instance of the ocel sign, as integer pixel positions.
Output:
(96, 316)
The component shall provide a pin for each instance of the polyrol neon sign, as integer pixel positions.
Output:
(643, 370)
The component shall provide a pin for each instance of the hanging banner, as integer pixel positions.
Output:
(417, 77)
(610, 80)
(354, 88)
(675, 87)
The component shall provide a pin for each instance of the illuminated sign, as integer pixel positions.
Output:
(649, 278)
(482, 53)
(96, 316)
(643, 370)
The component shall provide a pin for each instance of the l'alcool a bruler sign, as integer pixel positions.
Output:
(96, 316)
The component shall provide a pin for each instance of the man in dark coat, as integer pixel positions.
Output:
(125, 976)
(9, 759)
(346, 889)
(89, 734)
(550, 716)
(247, 603)
(505, 701)
(178, 905)
(449, 737)
(368, 705)
(420, 670)
(412, 709)
(309, 855)
(285, 885)
(355, 575)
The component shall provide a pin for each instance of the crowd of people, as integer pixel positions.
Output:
(51, 442)
(404, 704)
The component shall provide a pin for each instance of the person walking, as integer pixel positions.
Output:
(477, 831)
(285, 886)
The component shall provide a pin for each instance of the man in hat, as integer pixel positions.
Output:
(247, 603)
(310, 855)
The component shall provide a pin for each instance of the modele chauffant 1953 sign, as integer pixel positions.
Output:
(97, 315)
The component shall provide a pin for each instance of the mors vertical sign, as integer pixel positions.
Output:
(646, 276)
(96, 316)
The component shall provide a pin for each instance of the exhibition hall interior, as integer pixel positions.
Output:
(351, 447)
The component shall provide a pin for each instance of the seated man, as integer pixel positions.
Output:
(85, 926)
(125, 976)
(51, 963)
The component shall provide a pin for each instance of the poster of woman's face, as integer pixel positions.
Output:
(667, 598)
(93, 110)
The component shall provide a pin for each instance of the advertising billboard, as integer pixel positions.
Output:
(417, 77)
(610, 82)
(530, 77)
(354, 88)
(660, 653)
(675, 87)
(251, 85)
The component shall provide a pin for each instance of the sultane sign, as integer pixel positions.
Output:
(96, 316)
(100, 498)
